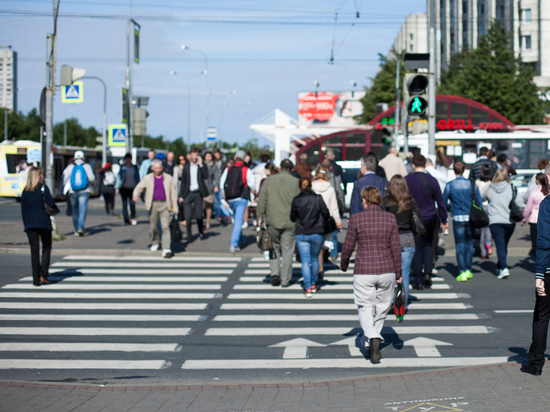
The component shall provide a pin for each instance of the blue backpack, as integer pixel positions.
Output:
(79, 178)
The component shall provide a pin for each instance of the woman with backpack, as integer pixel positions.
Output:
(500, 194)
(309, 211)
(107, 180)
(37, 223)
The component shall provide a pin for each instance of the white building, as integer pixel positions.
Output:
(413, 36)
(8, 78)
(459, 23)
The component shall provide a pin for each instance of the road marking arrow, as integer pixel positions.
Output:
(350, 342)
(296, 348)
(426, 347)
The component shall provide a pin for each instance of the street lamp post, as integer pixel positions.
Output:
(184, 47)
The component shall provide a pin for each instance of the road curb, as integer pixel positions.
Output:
(182, 386)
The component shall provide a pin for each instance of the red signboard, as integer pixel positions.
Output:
(460, 124)
(317, 106)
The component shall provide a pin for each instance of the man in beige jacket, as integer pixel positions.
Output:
(160, 199)
(392, 164)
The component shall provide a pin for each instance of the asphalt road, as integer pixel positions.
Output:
(235, 318)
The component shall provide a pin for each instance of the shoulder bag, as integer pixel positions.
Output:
(50, 210)
(478, 216)
(417, 226)
(515, 214)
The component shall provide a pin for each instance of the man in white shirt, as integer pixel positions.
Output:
(441, 178)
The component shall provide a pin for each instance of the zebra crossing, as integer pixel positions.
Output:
(218, 313)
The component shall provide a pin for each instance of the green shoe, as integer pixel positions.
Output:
(463, 277)
(470, 274)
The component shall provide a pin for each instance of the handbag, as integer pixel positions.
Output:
(265, 242)
(515, 214)
(330, 225)
(175, 230)
(417, 226)
(478, 216)
(50, 210)
(399, 306)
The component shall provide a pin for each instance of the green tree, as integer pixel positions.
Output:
(382, 89)
(492, 75)
(76, 134)
(20, 126)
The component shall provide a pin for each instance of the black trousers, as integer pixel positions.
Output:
(541, 316)
(533, 230)
(192, 205)
(40, 270)
(126, 195)
(109, 201)
(424, 251)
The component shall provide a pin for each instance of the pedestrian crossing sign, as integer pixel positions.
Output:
(117, 135)
(73, 93)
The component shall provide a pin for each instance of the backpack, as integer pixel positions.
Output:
(109, 179)
(234, 185)
(79, 178)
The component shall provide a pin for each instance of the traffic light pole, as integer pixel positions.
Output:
(431, 95)
(404, 119)
(396, 116)
(129, 138)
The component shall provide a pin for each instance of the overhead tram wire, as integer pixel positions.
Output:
(357, 15)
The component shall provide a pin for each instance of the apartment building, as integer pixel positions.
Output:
(8, 78)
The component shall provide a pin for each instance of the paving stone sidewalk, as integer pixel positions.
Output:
(490, 388)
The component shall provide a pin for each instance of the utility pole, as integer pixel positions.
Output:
(396, 115)
(405, 121)
(5, 123)
(65, 133)
(50, 92)
(129, 139)
(431, 95)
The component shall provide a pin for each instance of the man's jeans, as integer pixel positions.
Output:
(238, 206)
(309, 247)
(334, 251)
(407, 254)
(284, 240)
(79, 203)
(464, 245)
(501, 235)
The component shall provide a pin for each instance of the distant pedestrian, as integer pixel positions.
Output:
(270, 170)
(408, 162)
(499, 194)
(336, 183)
(441, 177)
(37, 223)
(441, 162)
(531, 211)
(482, 159)
(160, 200)
(533, 182)
(274, 206)
(505, 163)
(107, 181)
(392, 164)
(178, 170)
(192, 192)
(169, 164)
(322, 187)
(377, 266)
(221, 165)
(303, 168)
(541, 314)
(485, 238)
(146, 164)
(337, 169)
(400, 203)
(379, 171)
(212, 184)
(127, 180)
(458, 195)
(310, 213)
(81, 176)
(426, 191)
(368, 167)
(236, 183)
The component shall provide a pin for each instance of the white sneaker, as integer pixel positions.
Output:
(244, 225)
(155, 247)
(255, 222)
(503, 273)
(234, 249)
(434, 271)
(133, 222)
(166, 253)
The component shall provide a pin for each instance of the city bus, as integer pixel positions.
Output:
(15, 155)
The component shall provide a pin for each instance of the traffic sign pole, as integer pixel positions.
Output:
(431, 95)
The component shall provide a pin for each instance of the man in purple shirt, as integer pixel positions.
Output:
(427, 193)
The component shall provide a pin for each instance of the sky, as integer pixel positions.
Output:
(260, 54)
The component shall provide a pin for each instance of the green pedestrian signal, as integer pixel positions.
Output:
(417, 106)
(416, 94)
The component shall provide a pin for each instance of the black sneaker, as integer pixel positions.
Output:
(428, 281)
(275, 281)
(528, 368)
(374, 350)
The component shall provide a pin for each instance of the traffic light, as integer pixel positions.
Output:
(70, 74)
(416, 97)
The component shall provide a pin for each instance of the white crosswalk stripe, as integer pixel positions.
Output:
(127, 279)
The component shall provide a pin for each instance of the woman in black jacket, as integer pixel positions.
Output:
(399, 202)
(309, 211)
(37, 223)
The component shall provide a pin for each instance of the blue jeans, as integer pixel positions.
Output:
(309, 247)
(407, 254)
(238, 207)
(464, 245)
(501, 235)
(334, 251)
(79, 203)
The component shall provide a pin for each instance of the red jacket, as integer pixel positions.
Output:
(378, 247)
